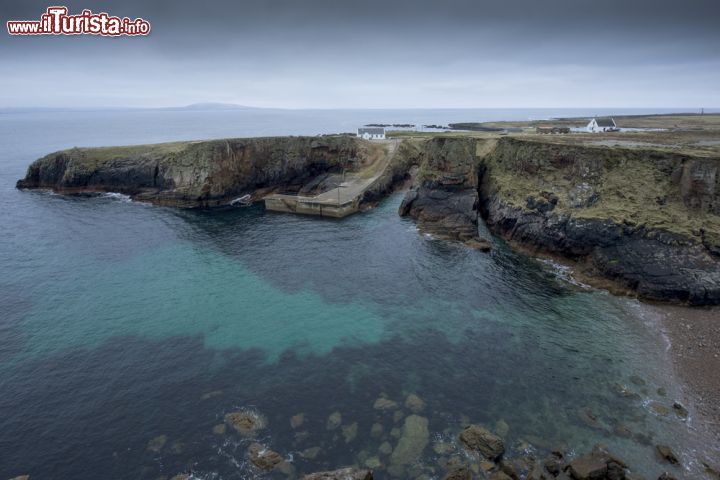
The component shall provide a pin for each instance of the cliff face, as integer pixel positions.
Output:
(444, 198)
(648, 220)
(192, 173)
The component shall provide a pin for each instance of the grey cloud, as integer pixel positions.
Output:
(402, 53)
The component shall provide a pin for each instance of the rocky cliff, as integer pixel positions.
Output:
(444, 198)
(192, 174)
(648, 220)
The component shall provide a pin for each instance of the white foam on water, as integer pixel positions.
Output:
(117, 196)
(564, 273)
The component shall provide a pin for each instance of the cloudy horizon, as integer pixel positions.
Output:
(374, 54)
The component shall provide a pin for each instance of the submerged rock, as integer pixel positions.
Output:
(341, 474)
(478, 439)
(262, 457)
(219, 429)
(414, 403)
(310, 453)
(376, 430)
(659, 409)
(413, 440)
(213, 394)
(286, 467)
(385, 448)
(679, 410)
(589, 418)
(502, 428)
(296, 421)
(383, 403)
(350, 432)
(443, 448)
(246, 423)
(334, 421)
(156, 444)
(667, 454)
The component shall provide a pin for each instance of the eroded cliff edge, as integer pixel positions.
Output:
(647, 220)
(189, 174)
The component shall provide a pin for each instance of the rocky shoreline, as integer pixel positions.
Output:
(660, 241)
(647, 220)
(472, 452)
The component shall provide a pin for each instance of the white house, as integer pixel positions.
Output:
(601, 125)
(371, 133)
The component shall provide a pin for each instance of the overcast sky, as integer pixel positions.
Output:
(374, 53)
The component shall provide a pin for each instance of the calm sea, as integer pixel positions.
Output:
(126, 325)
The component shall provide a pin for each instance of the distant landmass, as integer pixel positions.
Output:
(193, 106)
(212, 106)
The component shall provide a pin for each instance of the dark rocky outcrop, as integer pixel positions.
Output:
(262, 457)
(444, 199)
(190, 174)
(595, 205)
(483, 441)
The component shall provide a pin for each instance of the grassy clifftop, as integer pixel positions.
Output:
(193, 173)
(664, 190)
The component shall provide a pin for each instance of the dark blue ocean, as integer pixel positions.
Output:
(128, 331)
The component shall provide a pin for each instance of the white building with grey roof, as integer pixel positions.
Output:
(371, 133)
(601, 125)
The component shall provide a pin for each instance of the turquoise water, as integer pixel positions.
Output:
(124, 322)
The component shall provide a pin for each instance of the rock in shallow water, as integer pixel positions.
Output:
(157, 443)
(341, 474)
(334, 421)
(597, 465)
(483, 441)
(414, 403)
(246, 423)
(262, 457)
(384, 404)
(413, 440)
(350, 432)
(297, 420)
(667, 454)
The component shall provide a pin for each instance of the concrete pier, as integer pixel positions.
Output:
(311, 205)
(338, 202)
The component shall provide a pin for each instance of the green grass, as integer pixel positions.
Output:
(628, 182)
